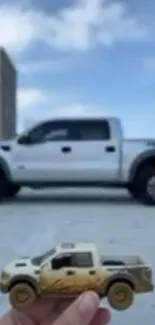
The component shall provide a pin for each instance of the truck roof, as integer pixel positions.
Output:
(74, 118)
(76, 247)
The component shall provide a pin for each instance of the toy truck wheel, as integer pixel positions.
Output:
(22, 295)
(120, 295)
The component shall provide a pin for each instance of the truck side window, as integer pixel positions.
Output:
(83, 259)
(97, 129)
(51, 131)
(60, 261)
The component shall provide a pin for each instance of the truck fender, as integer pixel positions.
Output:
(127, 278)
(145, 157)
(23, 278)
(5, 168)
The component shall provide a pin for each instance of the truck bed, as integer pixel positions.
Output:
(120, 260)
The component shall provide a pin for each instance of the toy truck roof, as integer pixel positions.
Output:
(76, 247)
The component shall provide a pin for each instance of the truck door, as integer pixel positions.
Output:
(46, 156)
(58, 277)
(96, 153)
(87, 275)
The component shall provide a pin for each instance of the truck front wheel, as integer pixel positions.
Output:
(11, 190)
(22, 295)
(120, 295)
(7, 189)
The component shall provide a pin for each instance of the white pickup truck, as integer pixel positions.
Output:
(84, 152)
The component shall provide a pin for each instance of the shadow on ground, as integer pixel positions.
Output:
(82, 199)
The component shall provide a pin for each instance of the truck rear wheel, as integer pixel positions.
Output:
(145, 185)
(132, 189)
(120, 295)
(22, 295)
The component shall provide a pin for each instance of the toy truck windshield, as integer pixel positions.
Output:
(38, 260)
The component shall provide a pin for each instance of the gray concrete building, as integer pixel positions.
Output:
(8, 94)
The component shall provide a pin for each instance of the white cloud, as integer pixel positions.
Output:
(17, 29)
(27, 98)
(47, 104)
(36, 104)
(42, 66)
(78, 27)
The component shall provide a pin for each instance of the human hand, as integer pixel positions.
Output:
(84, 310)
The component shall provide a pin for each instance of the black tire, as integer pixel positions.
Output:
(3, 186)
(11, 190)
(133, 191)
(7, 189)
(144, 185)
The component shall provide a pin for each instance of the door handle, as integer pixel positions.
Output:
(66, 149)
(70, 272)
(92, 272)
(110, 149)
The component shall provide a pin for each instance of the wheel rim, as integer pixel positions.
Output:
(121, 295)
(22, 296)
(151, 187)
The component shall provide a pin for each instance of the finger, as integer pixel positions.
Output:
(43, 311)
(40, 309)
(59, 308)
(102, 317)
(81, 312)
(15, 319)
(31, 315)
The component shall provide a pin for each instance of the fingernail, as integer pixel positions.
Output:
(88, 301)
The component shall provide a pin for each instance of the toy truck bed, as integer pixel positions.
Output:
(134, 267)
(125, 261)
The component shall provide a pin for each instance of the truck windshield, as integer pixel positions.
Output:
(38, 260)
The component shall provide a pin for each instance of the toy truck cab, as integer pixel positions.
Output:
(70, 269)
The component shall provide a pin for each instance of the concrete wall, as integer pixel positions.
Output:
(7, 96)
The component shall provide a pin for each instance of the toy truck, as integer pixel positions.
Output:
(69, 269)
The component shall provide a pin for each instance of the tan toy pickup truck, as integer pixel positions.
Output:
(72, 268)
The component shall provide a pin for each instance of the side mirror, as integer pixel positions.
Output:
(24, 139)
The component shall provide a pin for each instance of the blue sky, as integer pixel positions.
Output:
(83, 57)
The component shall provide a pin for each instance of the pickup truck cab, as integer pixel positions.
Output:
(69, 269)
(84, 152)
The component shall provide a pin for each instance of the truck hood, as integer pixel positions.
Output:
(20, 264)
(5, 145)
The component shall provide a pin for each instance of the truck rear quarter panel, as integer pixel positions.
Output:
(142, 278)
(133, 153)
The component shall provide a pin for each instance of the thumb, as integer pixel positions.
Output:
(81, 312)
